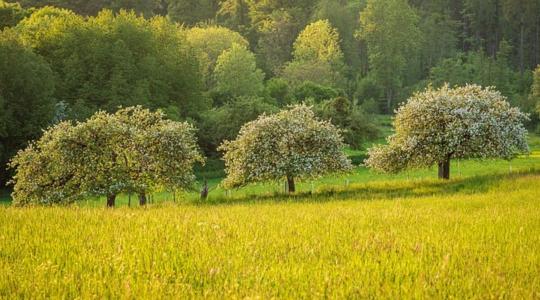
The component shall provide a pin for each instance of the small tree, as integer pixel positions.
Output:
(290, 144)
(319, 41)
(437, 125)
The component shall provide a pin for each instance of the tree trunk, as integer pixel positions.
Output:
(290, 184)
(204, 191)
(444, 169)
(536, 50)
(522, 48)
(111, 199)
(142, 199)
(389, 96)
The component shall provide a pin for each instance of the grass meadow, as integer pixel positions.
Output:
(360, 235)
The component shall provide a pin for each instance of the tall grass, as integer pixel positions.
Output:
(475, 237)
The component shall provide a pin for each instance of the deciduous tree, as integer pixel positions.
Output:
(390, 30)
(236, 73)
(289, 145)
(436, 126)
(133, 150)
(209, 43)
(26, 96)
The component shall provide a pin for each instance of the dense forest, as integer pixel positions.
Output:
(221, 63)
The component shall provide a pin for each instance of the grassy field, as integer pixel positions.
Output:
(359, 177)
(469, 238)
(361, 235)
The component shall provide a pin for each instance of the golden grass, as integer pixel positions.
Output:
(468, 238)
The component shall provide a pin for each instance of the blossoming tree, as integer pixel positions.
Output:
(438, 125)
(288, 145)
(133, 150)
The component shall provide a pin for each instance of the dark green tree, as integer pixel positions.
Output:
(26, 97)
(11, 14)
(191, 12)
(390, 30)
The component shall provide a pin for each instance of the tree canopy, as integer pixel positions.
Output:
(111, 60)
(389, 29)
(236, 73)
(27, 101)
(210, 42)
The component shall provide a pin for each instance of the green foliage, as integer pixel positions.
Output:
(11, 14)
(299, 72)
(314, 92)
(475, 68)
(235, 14)
(318, 42)
(26, 96)
(389, 28)
(291, 144)
(237, 74)
(440, 39)
(438, 125)
(317, 57)
(224, 123)
(368, 91)
(279, 91)
(209, 43)
(343, 15)
(535, 90)
(275, 44)
(357, 127)
(91, 7)
(133, 150)
(116, 60)
(191, 12)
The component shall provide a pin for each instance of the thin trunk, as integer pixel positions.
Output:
(444, 169)
(129, 200)
(290, 184)
(204, 191)
(111, 199)
(389, 101)
(536, 50)
(142, 199)
(522, 48)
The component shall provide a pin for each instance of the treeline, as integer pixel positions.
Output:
(221, 63)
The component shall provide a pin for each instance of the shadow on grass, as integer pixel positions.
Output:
(364, 191)
(381, 190)
(5, 197)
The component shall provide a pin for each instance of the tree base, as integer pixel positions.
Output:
(444, 170)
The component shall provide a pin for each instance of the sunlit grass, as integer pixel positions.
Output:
(473, 237)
